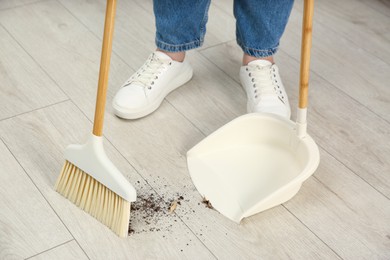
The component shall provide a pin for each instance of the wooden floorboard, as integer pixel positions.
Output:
(22, 80)
(69, 250)
(28, 225)
(356, 214)
(352, 20)
(381, 6)
(7, 4)
(345, 64)
(340, 212)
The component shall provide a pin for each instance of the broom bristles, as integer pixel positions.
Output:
(94, 198)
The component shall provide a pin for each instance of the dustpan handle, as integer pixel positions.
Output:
(307, 25)
(104, 68)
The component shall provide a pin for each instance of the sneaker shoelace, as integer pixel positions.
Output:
(149, 72)
(264, 81)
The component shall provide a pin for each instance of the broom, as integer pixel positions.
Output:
(88, 178)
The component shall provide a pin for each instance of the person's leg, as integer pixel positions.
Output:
(180, 26)
(260, 25)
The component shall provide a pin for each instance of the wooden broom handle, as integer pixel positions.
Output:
(307, 25)
(104, 68)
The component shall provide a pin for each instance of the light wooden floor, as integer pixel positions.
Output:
(49, 58)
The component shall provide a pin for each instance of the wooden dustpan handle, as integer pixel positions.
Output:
(104, 68)
(307, 25)
(305, 67)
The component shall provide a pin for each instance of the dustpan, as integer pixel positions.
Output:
(258, 161)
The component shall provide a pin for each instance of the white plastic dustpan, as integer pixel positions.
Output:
(257, 161)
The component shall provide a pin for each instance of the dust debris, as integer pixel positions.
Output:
(207, 203)
(173, 207)
(153, 213)
(148, 214)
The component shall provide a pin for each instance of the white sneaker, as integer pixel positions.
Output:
(264, 88)
(144, 91)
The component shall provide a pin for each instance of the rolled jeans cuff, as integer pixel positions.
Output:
(258, 53)
(180, 47)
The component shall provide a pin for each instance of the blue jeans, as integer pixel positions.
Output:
(181, 24)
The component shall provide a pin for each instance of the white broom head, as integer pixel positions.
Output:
(92, 159)
(91, 181)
